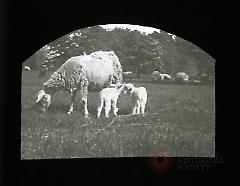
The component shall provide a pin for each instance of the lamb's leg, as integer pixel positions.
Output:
(115, 109)
(73, 95)
(100, 108)
(142, 108)
(107, 108)
(134, 108)
(138, 107)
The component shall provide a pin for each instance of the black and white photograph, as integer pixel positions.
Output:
(118, 90)
(125, 91)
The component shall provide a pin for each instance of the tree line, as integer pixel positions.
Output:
(137, 52)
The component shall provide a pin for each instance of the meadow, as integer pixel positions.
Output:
(179, 121)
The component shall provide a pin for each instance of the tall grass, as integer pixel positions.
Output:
(180, 120)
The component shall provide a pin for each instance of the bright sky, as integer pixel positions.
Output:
(142, 29)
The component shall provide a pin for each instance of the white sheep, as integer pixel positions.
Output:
(127, 73)
(27, 68)
(182, 76)
(139, 98)
(94, 71)
(109, 97)
(156, 76)
(196, 81)
(165, 77)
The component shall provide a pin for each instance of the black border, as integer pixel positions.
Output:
(30, 25)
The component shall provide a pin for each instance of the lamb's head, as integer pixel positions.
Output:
(128, 88)
(119, 86)
(43, 100)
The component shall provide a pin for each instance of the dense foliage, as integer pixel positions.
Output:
(137, 52)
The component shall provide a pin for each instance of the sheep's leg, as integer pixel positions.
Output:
(73, 95)
(107, 108)
(100, 108)
(114, 106)
(84, 100)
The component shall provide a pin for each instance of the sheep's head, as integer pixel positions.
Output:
(43, 100)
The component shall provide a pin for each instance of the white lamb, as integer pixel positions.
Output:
(139, 98)
(109, 96)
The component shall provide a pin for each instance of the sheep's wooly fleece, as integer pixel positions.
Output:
(182, 75)
(93, 68)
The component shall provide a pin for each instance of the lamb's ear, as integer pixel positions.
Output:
(119, 85)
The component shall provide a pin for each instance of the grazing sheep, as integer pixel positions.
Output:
(139, 98)
(27, 68)
(165, 77)
(109, 97)
(196, 81)
(127, 73)
(182, 76)
(87, 72)
(156, 76)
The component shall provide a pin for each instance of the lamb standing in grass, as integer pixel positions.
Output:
(109, 96)
(139, 98)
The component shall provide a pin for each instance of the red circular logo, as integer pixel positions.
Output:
(160, 161)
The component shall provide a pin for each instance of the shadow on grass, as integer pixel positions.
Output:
(58, 108)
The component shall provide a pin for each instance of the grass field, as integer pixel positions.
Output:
(179, 120)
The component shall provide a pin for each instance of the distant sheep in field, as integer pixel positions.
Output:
(196, 81)
(182, 76)
(27, 68)
(139, 98)
(156, 75)
(165, 77)
(109, 98)
(127, 73)
(85, 73)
